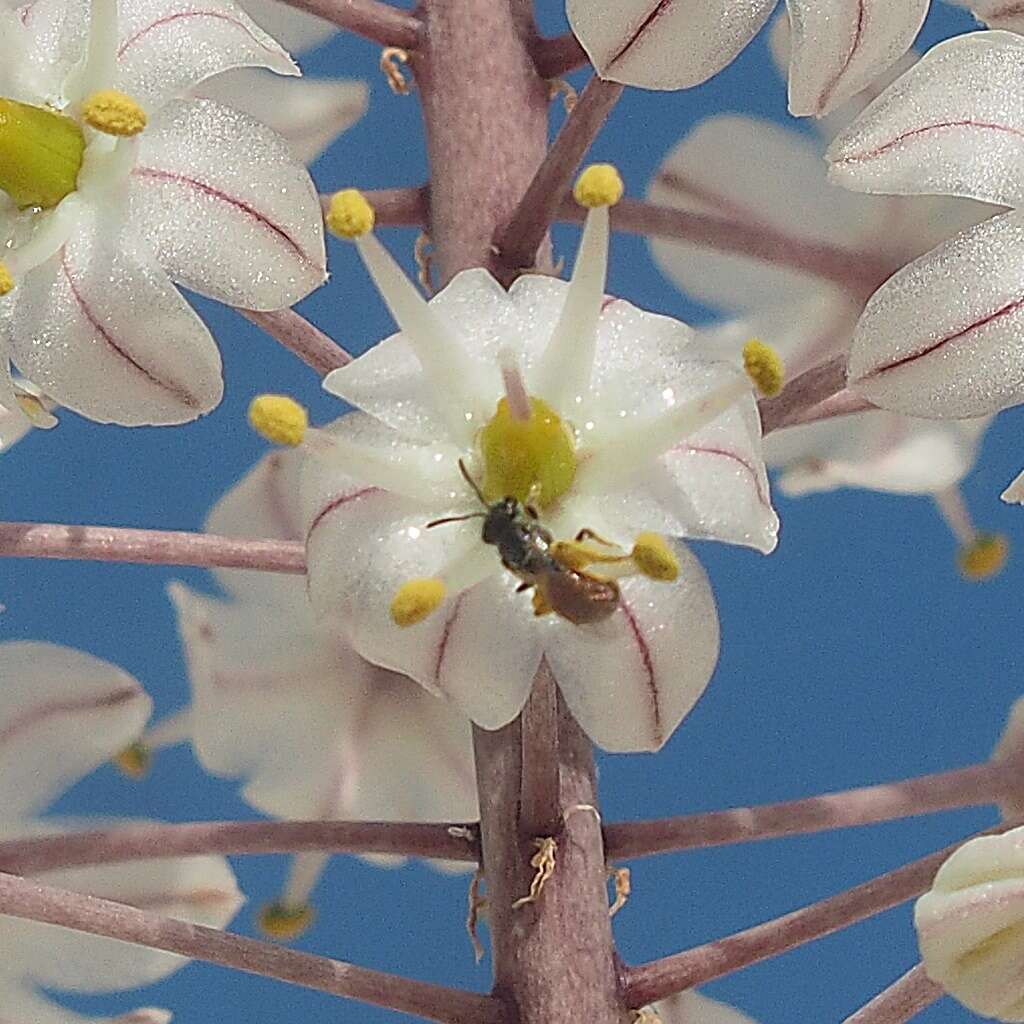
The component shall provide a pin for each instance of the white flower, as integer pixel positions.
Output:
(22, 406)
(839, 46)
(62, 714)
(611, 422)
(970, 926)
(309, 112)
(762, 174)
(944, 337)
(693, 1008)
(102, 220)
(314, 729)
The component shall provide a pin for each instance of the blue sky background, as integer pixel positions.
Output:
(854, 654)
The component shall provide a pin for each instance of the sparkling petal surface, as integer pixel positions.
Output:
(630, 680)
(308, 112)
(168, 46)
(229, 211)
(665, 44)
(944, 336)
(953, 124)
(62, 714)
(839, 47)
(76, 331)
(970, 926)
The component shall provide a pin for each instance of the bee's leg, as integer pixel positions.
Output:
(522, 587)
(586, 534)
(541, 605)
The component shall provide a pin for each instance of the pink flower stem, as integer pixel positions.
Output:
(661, 978)
(148, 547)
(844, 403)
(298, 335)
(395, 207)
(860, 273)
(519, 242)
(962, 787)
(540, 812)
(379, 22)
(558, 56)
(139, 842)
(32, 901)
(902, 1000)
(802, 393)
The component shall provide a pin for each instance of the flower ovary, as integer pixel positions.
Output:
(41, 154)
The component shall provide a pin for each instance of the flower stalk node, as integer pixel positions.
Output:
(350, 214)
(984, 557)
(285, 923)
(279, 419)
(543, 861)
(113, 113)
(622, 880)
(391, 60)
(764, 367)
(477, 908)
(416, 600)
(134, 761)
(599, 185)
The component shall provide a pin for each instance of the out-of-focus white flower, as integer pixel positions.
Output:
(22, 406)
(839, 46)
(693, 1008)
(309, 112)
(62, 714)
(314, 729)
(995, 13)
(722, 168)
(116, 188)
(604, 417)
(970, 926)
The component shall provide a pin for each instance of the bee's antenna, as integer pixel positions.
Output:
(472, 483)
(456, 519)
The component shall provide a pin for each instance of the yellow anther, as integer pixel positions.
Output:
(416, 600)
(984, 557)
(532, 459)
(654, 558)
(350, 215)
(135, 760)
(40, 154)
(599, 185)
(6, 281)
(284, 923)
(113, 113)
(279, 419)
(764, 367)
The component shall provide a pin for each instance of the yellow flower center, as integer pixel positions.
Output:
(532, 459)
(40, 154)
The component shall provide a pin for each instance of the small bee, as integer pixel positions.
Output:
(527, 550)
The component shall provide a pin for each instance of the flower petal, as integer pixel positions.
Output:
(944, 336)
(293, 28)
(489, 651)
(630, 680)
(62, 714)
(839, 47)
(996, 13)
(760, 174)
(229, 211)
(53, 42)
(1014, 494)
(693, 1008)
(887, 452)
(168, 46)
(199, 889)
(264, 503)
(953, 124)
(308, 112)
(77, 333)
(665, 44)
(23, 1004)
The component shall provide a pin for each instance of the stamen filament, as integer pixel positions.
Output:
(52, 234)
(170, 731)
(306, 870)
(99, 67)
